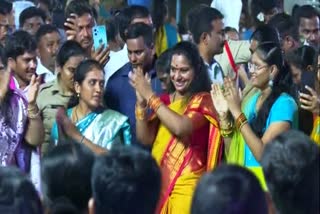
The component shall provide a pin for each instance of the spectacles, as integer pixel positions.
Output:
(253, 67)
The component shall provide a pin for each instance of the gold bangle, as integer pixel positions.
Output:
(242, 124)
(32, 115)
(154, 103)
(241, 121)
(140, 112)
(226, 132)
(226, 126)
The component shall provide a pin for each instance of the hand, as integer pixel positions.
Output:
(232, 97)
(33, 89)
(140, 100)
(141, 82)
(101, 55)
(219, 102)
(310, 102)
(71, 27)
(4, 83)
(65, 125)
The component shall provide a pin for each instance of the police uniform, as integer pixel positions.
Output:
(50, 98)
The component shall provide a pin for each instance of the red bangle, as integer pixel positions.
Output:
(154, 103)
(241, 121)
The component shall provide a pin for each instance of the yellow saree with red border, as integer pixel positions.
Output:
(184, 161)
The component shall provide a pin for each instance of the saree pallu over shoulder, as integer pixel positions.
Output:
(104, 129)
(108, 128)
(203, 104)
(12, 129)
(183, 161)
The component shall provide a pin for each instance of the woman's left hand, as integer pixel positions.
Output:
(141, 82)
(33, 89)
(310, 102)
(232, 96)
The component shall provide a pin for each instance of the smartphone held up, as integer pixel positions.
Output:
(99, 34)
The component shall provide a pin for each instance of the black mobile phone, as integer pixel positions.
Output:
(308, 78)
(66, 21)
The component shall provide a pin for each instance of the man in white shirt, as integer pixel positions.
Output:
(231, 10)
(118, 49)
(206, 27)
(48, 43)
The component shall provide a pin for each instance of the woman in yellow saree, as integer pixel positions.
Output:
(182, 130)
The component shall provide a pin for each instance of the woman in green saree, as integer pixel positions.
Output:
(266, 114)
(86, 121)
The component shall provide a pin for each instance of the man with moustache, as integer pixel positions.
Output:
(307, 18)
(48, 39)
(80, 19)
(22, 59)
(207, 29)
(119, 95)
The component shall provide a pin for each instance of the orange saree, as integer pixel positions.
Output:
(183, 161)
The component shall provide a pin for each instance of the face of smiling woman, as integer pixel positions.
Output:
(259, 71)
(181, 73)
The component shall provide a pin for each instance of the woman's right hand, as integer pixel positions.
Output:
(310, 102)
(219, 101)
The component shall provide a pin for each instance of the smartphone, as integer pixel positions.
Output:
(71, 16)
(308, 78)
(99, 34)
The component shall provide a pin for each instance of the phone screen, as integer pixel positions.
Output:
(99, 34)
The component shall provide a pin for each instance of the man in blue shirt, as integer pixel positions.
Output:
(119, 94)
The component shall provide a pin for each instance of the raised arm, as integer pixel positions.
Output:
(255, 143)
(70, 130)
(178, 125)
(35, 129)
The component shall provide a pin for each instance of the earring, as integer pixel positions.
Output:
(270, 83)
(78, 94)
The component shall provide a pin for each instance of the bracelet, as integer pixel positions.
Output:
(154, 103)
(140, 112)
(226, 126)
(241, 121)
(32, 115)
(244, 123)
(81, 141)
(226, 132)
(31, 109)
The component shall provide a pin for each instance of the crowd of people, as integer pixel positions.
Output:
(156, 121)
